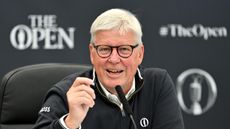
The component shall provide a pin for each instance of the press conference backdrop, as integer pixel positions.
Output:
(189, 38)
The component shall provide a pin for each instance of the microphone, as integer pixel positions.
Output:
(126, 105)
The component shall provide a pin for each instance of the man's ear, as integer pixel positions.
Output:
(91, 53)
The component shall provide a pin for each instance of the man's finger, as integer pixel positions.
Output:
(83, 80)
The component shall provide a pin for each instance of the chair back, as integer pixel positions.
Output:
(22, 91)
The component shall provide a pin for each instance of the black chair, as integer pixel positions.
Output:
(22, 91)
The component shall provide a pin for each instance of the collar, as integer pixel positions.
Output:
(113, 98)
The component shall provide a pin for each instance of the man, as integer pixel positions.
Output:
(89, 100)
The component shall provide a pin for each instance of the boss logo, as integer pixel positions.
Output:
(45, 109)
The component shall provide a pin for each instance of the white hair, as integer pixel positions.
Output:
(119, 19)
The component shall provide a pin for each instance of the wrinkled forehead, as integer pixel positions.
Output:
(115, 33)
(110, 36)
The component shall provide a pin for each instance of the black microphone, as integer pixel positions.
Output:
(126, 105)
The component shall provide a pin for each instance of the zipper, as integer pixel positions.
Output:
(131, 95)
(122, 110)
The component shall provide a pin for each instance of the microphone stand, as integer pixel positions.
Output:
(133, 121)
(126, 105)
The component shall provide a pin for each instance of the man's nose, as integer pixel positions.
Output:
(114, 57)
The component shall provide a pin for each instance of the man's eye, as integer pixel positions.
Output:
(104, 49)
(124, 49)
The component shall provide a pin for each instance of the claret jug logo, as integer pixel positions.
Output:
(200, 85)
(43, 33)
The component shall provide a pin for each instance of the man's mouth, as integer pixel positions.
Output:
(114, 71)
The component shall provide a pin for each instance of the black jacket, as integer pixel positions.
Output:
(154, 104)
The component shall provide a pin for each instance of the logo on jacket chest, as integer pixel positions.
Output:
(144, 122)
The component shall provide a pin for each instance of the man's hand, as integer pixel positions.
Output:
(80, 98)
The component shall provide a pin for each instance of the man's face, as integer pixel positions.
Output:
(115, 70)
